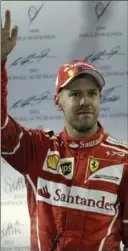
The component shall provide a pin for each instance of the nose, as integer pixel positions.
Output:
(84, 100)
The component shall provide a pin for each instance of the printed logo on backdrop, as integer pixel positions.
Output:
(105, 54)
(34, 15)
(32, 58)
(35, 58)
(101, 8)
(33, 105)
(13, 184)
(11, 232)
(14, 191)
(32, 100)
(104, 58)
(11, 229)
(33, 61)
(101, 12)
(15, 248)
(109, 97)
(106, 96)
(33, 12)
(29, 67)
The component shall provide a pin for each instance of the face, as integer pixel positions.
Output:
(80, 103)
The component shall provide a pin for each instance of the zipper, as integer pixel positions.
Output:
(59, 235)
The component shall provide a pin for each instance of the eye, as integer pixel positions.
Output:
(75, 94)
(93, 93)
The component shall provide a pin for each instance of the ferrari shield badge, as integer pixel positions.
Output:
(94, 165)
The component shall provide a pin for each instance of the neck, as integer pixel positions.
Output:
(72, 132)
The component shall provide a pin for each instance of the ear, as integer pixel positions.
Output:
(57, 102)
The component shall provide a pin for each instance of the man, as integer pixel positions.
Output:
(77, 181)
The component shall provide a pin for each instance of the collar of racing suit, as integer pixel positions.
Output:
(80, 143)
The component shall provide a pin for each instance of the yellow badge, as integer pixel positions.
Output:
(53, 161)
(71, 73)
(94, 165)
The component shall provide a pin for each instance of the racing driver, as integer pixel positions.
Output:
(77, 180)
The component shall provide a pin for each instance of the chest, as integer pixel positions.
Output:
(87, 169)
(82, 180)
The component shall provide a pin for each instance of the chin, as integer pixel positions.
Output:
(86, 126)
(83, 128)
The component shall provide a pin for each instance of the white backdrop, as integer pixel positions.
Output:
(50, 34)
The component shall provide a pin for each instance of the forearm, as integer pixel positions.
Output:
(4, 80)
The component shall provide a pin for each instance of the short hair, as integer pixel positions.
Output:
(88, 76)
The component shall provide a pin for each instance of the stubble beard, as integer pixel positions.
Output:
(84, 127)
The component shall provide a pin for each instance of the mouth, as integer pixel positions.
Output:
(85, 113)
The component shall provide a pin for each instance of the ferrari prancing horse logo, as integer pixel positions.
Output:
(94, 165)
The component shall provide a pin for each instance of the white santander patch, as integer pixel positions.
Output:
(60, 195)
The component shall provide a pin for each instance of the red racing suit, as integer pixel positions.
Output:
(77, 189)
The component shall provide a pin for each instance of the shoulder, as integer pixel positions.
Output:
(115, 147)
(114, 142)
(48, 133)
(40, 133)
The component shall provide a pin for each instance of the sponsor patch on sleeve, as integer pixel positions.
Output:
(116, 142)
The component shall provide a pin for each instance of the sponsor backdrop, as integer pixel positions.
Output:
(50, 34)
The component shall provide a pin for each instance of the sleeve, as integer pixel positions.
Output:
(124, 207)
(22, 148)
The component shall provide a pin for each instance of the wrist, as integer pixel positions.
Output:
(3, 58)
(3, 62)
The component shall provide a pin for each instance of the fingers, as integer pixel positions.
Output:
(6, 30)
(14, 33)
(7, 21)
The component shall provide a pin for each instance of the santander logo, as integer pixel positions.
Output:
(60, 196)
(44, 192)
(77, 198)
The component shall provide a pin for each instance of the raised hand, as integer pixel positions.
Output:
(8, 37)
